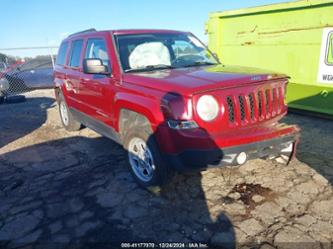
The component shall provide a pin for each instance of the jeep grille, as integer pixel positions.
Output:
(254, 106)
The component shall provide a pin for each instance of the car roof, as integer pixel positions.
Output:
(144, 31)
(89, 32)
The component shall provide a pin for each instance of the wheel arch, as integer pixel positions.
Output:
(137, 109)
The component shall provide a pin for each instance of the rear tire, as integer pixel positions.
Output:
(67, 119)
(146, 163)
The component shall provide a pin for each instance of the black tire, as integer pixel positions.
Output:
(70, 123)
(162, 174)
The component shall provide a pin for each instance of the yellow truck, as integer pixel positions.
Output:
(295, 38)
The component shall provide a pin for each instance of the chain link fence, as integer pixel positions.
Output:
(26, 69)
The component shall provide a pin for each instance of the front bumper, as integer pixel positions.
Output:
(200, 159)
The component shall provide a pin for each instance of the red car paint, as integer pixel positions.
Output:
(103, 98)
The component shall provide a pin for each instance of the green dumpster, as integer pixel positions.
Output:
(295, 38)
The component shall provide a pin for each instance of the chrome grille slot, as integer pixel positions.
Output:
(267, 100)
(242, 107)
(260, 103)
(251, 101)
(231, 109)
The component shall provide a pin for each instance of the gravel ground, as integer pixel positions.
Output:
(59, 188)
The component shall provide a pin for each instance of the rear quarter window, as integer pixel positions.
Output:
(61, 57)
(38, 63)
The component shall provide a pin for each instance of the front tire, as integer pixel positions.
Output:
(66, 116)
(145, 160)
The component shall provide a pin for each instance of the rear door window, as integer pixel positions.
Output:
(29, 65)
(75, 54)
(96, 49)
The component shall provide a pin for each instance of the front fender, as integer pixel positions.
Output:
(146, 106)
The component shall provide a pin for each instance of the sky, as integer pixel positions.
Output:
(26, 23)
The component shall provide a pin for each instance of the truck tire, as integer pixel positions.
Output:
(145, 160)
(66, 116)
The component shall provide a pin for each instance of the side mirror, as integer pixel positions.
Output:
(94, 66)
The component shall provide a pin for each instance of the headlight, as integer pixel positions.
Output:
(207, 108)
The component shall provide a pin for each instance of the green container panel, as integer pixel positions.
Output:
(285, 38)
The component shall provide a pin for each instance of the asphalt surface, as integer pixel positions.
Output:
(71, 190)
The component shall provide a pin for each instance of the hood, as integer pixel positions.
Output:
(194, 80)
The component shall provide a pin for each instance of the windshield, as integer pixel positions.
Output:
(142, 52)
(38, 63)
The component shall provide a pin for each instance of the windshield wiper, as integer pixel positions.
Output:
(149, 68)
(201, 63)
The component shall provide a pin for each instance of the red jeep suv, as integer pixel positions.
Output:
(170, 102)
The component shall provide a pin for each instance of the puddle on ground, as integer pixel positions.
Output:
(248, 190)
(227, 200)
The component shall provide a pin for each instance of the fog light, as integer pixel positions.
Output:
(241, 158)
(182, 125)
(288, 148)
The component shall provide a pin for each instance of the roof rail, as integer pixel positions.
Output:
(82, 32)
